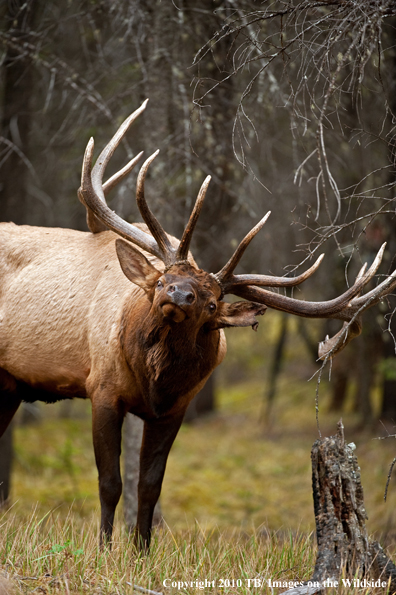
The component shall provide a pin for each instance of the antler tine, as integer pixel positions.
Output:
(182, 251)
(168, 252)
(376, 294)
(227, 270)
(374, 267)
(94, 223)
(107, 153)
(90, 198)
(121, 174)
(269, 280)
(332, 345)
(352, 317)
(361, 272)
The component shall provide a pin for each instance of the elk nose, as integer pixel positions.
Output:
(180, 296)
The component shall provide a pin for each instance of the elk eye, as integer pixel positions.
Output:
(159, 284)
(212, 308)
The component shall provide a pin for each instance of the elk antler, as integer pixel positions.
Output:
(184, 245)
(93, 197)
(228, 281)
(328, 309)
(152, 223)
(351, 315)
(95, 224)
(347, 307)
(100, 216)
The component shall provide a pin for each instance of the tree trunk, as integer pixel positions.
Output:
(388, 406)
(275, 368)
(17, 75)
(5, 465)
(132, 441)
(388, 409)
(203, 403)
(365, 365)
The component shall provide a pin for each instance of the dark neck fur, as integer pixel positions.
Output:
(169, 359)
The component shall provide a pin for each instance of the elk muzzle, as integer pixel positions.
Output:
(179, 298)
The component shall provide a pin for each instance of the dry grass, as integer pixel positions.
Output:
(51, 555)
(48, 555)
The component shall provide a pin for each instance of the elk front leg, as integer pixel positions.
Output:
(106, 428)
(158, 437)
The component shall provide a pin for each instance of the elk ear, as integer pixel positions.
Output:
(135, 266)
(238, 314)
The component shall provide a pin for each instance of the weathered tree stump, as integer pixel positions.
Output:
(344, 549)
(340, 514)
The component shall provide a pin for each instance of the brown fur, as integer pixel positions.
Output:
(73, 322)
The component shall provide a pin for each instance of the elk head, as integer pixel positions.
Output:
(183, 294)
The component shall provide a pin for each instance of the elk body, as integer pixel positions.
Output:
(132, 325)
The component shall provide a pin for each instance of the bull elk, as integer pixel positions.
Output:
(123, 316)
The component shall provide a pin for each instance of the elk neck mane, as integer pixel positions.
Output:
(169, 358)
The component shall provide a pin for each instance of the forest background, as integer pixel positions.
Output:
(290, 107)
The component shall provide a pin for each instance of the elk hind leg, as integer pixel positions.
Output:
(106, 428)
